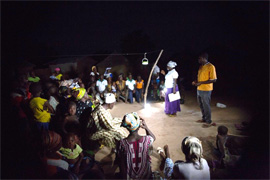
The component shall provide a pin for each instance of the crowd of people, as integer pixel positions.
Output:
(66, 121)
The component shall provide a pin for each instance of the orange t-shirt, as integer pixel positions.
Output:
(139, 85)
(205, 73)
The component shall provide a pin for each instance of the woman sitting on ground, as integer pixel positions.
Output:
(99, 125)
(134, 151)
(195, 166)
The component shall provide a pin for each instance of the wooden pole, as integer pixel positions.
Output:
(149, 78)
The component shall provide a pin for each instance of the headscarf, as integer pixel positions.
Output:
(57, 69)
(109, 98)
(94, 67)
(171, 64)
(81, 93)
(192, 148)
(131, 121)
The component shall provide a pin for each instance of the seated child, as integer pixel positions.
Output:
(71, 122)
(224, 143)
(73, 154)
(40, 107)
(114, 88)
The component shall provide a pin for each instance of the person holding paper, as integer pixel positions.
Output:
(171, 107)
(206, 77)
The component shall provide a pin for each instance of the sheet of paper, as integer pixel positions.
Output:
(174, 97)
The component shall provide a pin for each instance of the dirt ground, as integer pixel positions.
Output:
(172, 130)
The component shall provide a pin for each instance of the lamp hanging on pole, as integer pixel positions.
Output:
(144, 60)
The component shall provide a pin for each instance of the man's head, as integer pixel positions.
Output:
(222, 130)
(129, 76)
(203, 58)
(101, 77)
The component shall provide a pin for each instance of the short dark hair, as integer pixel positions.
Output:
(222, 130)
(35, 88)
(71, 103)
(204, 55)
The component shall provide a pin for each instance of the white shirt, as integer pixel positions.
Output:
(187, 170)
(101, 85)
(172, 74)
(156, 70)
(130, 84)
(93, 74)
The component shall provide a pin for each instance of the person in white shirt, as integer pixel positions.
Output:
(94, 72)
(171, 108)
(130, 84)
(195, 167)
(101, 86)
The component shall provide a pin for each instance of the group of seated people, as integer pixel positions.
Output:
(69, 126)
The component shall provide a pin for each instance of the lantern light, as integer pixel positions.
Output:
(144, 60)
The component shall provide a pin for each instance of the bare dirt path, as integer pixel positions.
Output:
(171, 130)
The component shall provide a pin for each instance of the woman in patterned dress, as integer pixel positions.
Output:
(134, 151)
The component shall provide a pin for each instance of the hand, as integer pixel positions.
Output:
(133, 91)
(198, 84)
(162, 72)
(143, 124)
(174, 91)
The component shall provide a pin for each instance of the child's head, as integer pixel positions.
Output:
(53, 90)
(222, 130)
(35, 89)
(72, 108)
(139, 77)
(69, 141)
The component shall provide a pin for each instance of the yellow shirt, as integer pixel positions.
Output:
(59, 76)
(206, 72)
(69, 154)
(121, 86)
(36, 104)
(139, 85)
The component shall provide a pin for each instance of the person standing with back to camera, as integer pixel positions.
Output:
(171, 86)
(206, 77)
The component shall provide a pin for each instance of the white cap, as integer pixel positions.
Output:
(109, 98)
(171, 64)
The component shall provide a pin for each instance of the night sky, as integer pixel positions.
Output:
(235, 34)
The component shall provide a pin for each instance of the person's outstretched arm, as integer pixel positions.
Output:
(148, 132)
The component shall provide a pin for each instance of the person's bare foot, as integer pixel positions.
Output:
(166, 149)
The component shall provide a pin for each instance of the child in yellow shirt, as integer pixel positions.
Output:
(40, 107)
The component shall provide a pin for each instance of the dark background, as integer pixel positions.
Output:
(235, 35)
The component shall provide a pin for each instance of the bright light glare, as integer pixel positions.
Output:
(147, 106)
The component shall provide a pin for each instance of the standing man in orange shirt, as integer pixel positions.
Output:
(206, 77)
